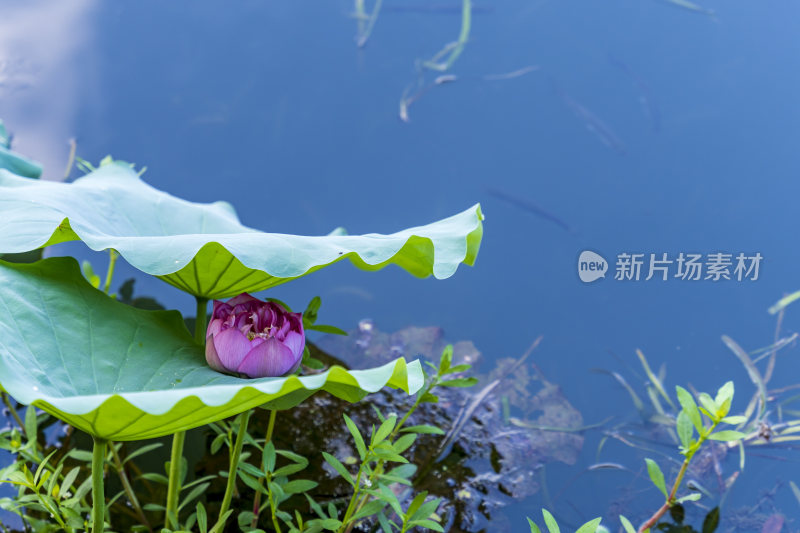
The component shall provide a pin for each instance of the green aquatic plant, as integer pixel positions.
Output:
(703, 420)
(552, 526)
(695, 425)
(366, 22)
(120, 373)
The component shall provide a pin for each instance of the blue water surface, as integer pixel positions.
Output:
(271, 106)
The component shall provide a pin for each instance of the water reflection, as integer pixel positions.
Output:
(42, 44)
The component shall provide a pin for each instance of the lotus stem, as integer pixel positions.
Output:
(176, 458)
(257, 501)
(98, 492)
(235, 454)
(112, 261)
(174, 484)
(126, 485)
(13, 411)
(200, 320)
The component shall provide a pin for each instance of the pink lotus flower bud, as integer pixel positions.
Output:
(255, 338)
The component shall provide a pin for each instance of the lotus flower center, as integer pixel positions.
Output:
(266, 334)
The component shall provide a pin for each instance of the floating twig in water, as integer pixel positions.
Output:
(783, 302)
(649, 108)
(437, 9)
(691, 6)
(593, 123)
(530, 425)
(511, 75)
(656, 382)
(608, 466)
(752, 372)
(637, 402)
(771, 350)
(530, 207)
(365, 22)
(453, 49)
(467, 411)
(409, 98)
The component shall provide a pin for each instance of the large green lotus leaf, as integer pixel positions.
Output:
(126, 374)
(203, 248)
(16, 163)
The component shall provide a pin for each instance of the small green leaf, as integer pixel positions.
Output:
(416, 503)
(339, 467)
(727, 435)
(330, 330)
(141, 451)
(590, 527)
(251, 470)
(299, 485)
(202, 518)
(428, 524)
(384, 430)
(429, 398)
(69, 479)
(534, 527)
(550, 522)
(156, 478)
(404, 442)
(295, 458)
(690, 408)
(685, 430)
(153, 507)
(725, 393)
(678, 513)
(386, 494)
(217, 443)
(80, 455)
(458, 369)
(197, 491)
(708, 404)
(31, 425)
(734, 420)
(423, 429)
(711, 521)
(315, 507)
(425, 510)
(91, 277)
(331, 524)
(459, 382)
(693, 497)
(446, 359)
(359, 440)
(627, 525)
(388, 455)
(244, 519)
(387, 526)
(371, 508)
(312, 309)
(656, 476)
